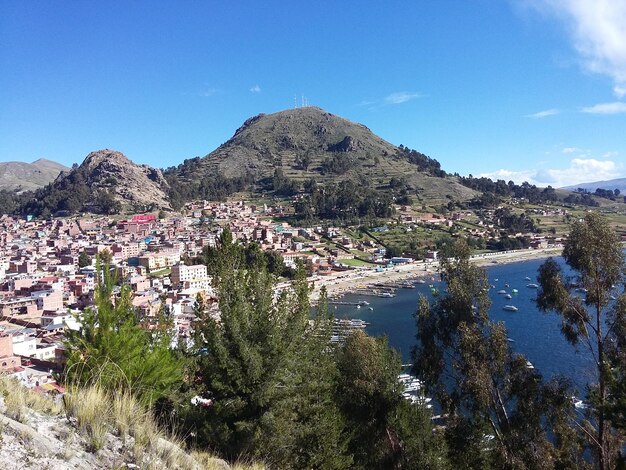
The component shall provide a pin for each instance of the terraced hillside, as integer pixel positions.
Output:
(309, 142)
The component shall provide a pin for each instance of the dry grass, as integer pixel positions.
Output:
(97, 414)
(92, 410)
(19, 399)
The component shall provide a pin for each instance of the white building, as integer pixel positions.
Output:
(191, 277)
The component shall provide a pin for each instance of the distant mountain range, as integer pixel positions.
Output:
(619, 183)
(24, 176)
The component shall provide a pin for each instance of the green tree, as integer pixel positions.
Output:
(266, 369)
(113, 350)
(486, 390)
(84, 259)
(594, 253)
(386, 431)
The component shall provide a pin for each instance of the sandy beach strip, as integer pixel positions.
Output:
(350, 281)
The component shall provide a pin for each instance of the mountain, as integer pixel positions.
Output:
(106, 182)
(619, 183)
(24, 176)
(305, 143)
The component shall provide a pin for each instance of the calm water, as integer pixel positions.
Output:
(535, 334)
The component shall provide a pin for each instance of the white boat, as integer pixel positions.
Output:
(501, 291)
(532, 286)
(529, 365)
(527, 278)
(508, 296)
(510, 308)
(579, 404)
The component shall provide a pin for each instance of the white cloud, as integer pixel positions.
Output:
(598, 32)
(542, 114)
(508, 175)
(580, 170)
(616, 107)
(400, 97)
(619, 90)
(571, 150)
(395, 98)
(208, 92)
(255, 89)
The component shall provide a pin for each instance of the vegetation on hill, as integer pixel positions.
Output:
(106, 183)
(280, 152)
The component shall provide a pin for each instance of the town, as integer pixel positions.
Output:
(48, 273)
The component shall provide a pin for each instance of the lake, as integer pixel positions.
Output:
(535, 334)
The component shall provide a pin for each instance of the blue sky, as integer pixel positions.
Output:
(514, 89)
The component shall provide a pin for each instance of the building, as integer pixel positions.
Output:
(190, 277)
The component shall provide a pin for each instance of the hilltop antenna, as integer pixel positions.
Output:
(295, 101)
(302, 100)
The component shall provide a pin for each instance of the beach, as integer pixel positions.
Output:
(348, 281)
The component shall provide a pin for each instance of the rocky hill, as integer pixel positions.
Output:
(106, 182)
(22, 176)
(309, 142)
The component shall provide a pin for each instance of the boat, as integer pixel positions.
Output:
(386, 294)
(358, 306)
(421, 281)
(579, 404)
(371, 308)
(529, 365)
(507, 285)
(514, 291)
(501, 291)
(527, 278)
(508, 296)
(510, 308)
(532, 286)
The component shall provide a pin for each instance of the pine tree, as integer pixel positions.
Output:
(113, 350)
(266, 369)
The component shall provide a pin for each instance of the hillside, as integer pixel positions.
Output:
(619, 183)
(87, 429)
(22, 176)
(309, 142)
(106, 182)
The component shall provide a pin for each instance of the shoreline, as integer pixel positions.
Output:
(349, 281)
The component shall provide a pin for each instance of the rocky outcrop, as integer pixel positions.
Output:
(134, 186)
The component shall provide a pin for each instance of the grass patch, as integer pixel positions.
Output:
(160, 273)
(19, 399)
(356, 263)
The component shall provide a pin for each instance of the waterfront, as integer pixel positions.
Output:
(535, 334)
